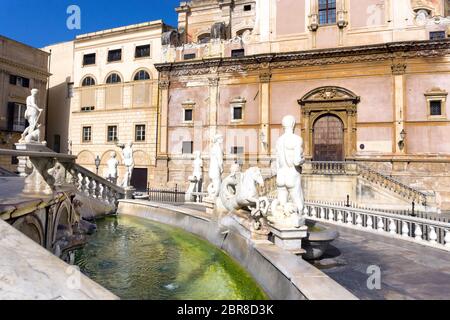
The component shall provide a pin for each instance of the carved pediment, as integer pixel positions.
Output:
(329, 94)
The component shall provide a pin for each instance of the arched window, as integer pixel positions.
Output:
(113, 78)
(88, 81)
(141, 76)
(204, 38)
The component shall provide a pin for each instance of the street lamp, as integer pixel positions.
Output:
(97, 163)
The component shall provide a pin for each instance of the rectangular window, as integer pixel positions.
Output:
(188, 147)
(188, 115)
(112, 133)
(142, 51)
(88, 109)
(19, 81)
(237, 113)
(437, 35)
(189, 56)
(89, 59)
(248, 7)
(114, 55)
(237, 150)
(436, 108)
(140, 132)
(87, 134)
(327, 11)
(16, 117)
(238, 53)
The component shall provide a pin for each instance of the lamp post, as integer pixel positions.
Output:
(97, 163)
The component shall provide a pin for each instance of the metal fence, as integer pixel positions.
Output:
(174, 195)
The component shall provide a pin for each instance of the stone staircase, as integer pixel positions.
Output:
(353, 182)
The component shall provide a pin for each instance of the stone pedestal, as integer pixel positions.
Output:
(33, 147)
(129, 193)
(289, 239)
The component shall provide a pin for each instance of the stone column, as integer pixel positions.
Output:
(264, 137)
(213, 105)
(398, 72)
(162, 166)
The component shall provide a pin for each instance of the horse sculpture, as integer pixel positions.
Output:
(239, 192)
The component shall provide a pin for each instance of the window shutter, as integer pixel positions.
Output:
(10, 124)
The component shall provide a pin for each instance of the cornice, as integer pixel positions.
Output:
(13, 64)
(377, 52)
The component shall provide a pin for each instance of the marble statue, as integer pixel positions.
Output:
(287, 209)
(196, 180)
(128, 161)
(112, 163)
(239, 192)
(215, 166)
(32, 114)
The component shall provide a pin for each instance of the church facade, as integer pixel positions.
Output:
(367, 81)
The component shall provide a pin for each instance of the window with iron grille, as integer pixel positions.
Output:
(113, 78)
(189, 56)
(238, 53)
(141, 76)
(88, 109)
(142, 51)
(112, 134)
(88, 81)
(437, 35)
(16, 117)
(89, 59)
(237, 150)
(237, 113)
(114, 55)
(188, 115)
(19, 81)
(188, 147)
(87, 134)
(327, 11)
(140, 132)
(436, 108)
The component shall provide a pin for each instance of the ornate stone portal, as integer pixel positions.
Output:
(335, 101)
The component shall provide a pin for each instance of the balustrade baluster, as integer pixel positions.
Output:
(340, 218)
(331, 215)
(322, 213)
(105, 193)
(447, 238)
(418, 232)
(349, 218)
(359, 221)
(91, 189)
(97, 190)
(314, 212)
(369, 223)
(392, 226)
(83, 183)
(433, 235)
(380, 224)
(405, 229)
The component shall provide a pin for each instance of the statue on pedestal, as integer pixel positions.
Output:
(287, 209)
(215, 167)
(32, 133)
(113, 163)
(128, 161)
(196, 180)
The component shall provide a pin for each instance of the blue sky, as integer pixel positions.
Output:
(42, 22)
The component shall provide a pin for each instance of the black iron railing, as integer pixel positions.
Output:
(174, 195)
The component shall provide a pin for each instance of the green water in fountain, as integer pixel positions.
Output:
(140, 259)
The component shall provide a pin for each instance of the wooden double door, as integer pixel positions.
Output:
(328, 139)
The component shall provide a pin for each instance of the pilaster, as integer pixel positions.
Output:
(398, 73)
(213, 104)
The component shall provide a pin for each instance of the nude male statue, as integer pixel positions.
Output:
(113, 163)
(290, 158)
(216, 166)
(32, 115)
(129, 164)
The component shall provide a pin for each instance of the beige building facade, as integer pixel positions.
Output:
(22, 68)
(109, 85)
(366, 80)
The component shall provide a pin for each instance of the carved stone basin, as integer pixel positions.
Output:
(318, 240)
